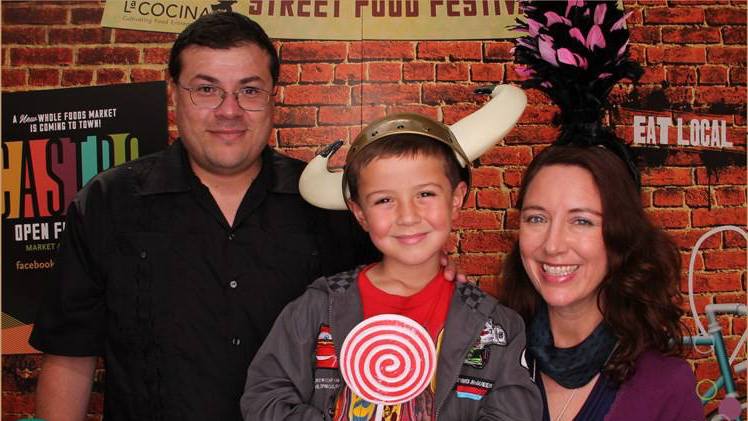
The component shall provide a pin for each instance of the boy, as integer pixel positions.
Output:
(404, 184)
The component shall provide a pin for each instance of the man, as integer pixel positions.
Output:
(174, 267)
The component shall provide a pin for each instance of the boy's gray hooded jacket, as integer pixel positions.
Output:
(284, 384)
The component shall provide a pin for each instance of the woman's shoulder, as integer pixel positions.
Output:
(653, 367)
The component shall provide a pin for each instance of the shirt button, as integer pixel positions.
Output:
(233, 284)
(231, 236)
(236, 341)
(143, 254)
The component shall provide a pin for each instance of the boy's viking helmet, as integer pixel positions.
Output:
(469, 138)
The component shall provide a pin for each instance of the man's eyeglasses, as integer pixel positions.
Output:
(211, 97)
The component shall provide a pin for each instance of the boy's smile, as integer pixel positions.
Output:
(407, 205)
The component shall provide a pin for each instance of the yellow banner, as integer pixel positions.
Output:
(331, 19)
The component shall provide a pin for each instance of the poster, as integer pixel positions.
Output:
(54, 142)
(330, 19)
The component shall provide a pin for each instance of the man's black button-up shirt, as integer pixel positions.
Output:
(151, 276)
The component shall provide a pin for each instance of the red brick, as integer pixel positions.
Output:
(313, 136)
(145, 75)
(685, 261)
(294, 116)
(449, 50)
(108, 55)
(447, 93)
(313, 51)
(668, 198)
(719, 216)
(313, 94)
(645, 34)
(455, 112)
(346, 72)
(478, 264)
(738, 324)
(507, 155)
(80, 35)
(486, 176)
(688, 55)
(734, 35)
(511, 219)
(382, 50)
(538, 114)
(690, 35)
(673, 15)
(486, 72)
(681, 75)
(737, 75)
(451, 72)
(349, 115)
(490, 284)
(429, 111)
(730, 196)
(13, 78)
(477, 220)
(726, 55)
(24, 35)
(729, 95)
(316, 72)
(155, 55)
(386, 93)
(697, 197)
(638, 53)
(724, 175)
(44, 15)
(18, 403)
(110, 76)
(649, 2)
(712, 75)
(681, 158)
(531, 135)
(724, 259)
(493, 199)
(499, 51)
(289, 74)
(670, 218)
(384, 72)
(666, 177)
(50, 56)
(712, 282)
(487, 242)
(44, 77)
(414, 71)
(653, 74)
(686, 239)
(76, 77)
(86, 15)
(126, 36)
(697, 2)
(725, 16)
(636, 17)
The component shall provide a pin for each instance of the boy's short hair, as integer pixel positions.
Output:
(403, 145)
(223, 30)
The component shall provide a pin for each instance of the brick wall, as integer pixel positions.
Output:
(693, 51)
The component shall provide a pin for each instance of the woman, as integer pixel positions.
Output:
(595, 281)
(597, 285)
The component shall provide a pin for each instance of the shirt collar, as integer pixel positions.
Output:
(173, 174)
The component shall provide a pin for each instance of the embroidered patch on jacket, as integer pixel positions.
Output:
(472, 387)
(324, 352)
(491, 334)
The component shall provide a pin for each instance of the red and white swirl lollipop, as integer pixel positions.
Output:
(388, 359)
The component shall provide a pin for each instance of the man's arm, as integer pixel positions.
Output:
(64, 387)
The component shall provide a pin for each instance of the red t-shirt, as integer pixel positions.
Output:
(428, 306)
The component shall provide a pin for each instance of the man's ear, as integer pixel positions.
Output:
(358, 213)
(173, 88)
(458, 197)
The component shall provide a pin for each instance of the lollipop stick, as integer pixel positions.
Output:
(380, 412)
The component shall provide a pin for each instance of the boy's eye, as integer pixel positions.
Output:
(382, 200)
(426, 194)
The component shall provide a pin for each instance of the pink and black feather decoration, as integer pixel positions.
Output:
(576, 51)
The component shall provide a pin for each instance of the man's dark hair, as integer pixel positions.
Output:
(222, 31)
(402, 145)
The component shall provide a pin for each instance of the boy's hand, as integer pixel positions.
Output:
(450, 270)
